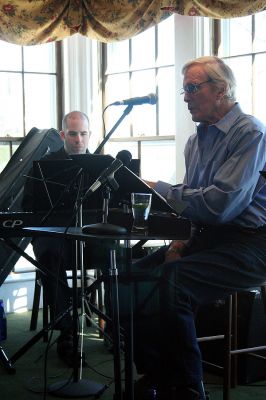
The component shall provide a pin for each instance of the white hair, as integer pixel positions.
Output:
(220, 74)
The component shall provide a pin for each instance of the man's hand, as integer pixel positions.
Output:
(175, 251)
(151, 184)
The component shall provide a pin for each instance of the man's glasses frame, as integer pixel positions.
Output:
(192, 88)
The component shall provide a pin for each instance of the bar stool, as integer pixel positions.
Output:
(36, 307)
(230, 337)
(231, 344)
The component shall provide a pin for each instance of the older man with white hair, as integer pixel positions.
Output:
(226, 203)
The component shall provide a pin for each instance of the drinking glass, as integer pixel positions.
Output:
(141, 205)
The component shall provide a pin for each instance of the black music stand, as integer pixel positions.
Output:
(57, 185)
(94, 165)
(128, 181)
(51, 174)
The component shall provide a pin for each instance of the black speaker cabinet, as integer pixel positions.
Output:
(251, 332)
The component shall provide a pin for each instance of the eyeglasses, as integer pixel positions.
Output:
(192, 88)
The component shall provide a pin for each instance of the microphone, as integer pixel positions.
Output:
(151, 98)
(125, 156)
(107, 174)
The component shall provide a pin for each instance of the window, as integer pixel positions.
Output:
(242, 44)
(133, 68)
(29, 79)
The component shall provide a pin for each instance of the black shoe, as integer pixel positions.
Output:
(186, 393)
(65, 350)
(147, 389)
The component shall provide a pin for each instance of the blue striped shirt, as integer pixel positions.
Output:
(222, 184)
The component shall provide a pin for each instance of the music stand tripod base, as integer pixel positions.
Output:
(81, 388)
(6, 363)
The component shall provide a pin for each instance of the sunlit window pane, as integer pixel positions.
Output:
(166, 92)
(15, 145)
(151, 58)
(117, 56)
(4, 155)
(143, 49)
(40, 101)
(259, 85)
(113, 148)
(249, 38)
(143, 82)
(236, 36)
(10, 59)
(259, 43)
(242, 68)
(166, 36)
(161, 156)
(117, 88)
(40, 58)
(143, 116)
(11, 104)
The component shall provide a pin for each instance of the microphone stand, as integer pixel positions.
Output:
(125, 113)
(77, 386)
(104, 227)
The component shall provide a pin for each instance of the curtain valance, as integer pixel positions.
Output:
(30, 22)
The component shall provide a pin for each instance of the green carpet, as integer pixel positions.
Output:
(27, 383)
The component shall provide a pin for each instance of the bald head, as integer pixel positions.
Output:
(75, 132)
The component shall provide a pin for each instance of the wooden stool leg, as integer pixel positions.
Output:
(45, 316)
(36, 307)
(234, 342)
(36, 304)
(227, 350)
(231, 339)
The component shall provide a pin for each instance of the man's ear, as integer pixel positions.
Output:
(62, 135)
(221, 92)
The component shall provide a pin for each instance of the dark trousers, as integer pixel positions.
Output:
(219, 262)
(54, 256)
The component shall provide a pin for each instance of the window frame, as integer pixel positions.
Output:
(13, 141)
(135, 139)
(217, 44)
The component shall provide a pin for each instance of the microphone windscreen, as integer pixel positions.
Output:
(125, 156)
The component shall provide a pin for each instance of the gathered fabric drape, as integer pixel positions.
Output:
(29, 22)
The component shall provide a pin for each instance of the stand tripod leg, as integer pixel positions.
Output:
(77, 387)
(6, 362)
(116, 325)
(36, 338)
(129, 378)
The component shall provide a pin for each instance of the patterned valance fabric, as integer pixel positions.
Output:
(216, 8)
(39, 21)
